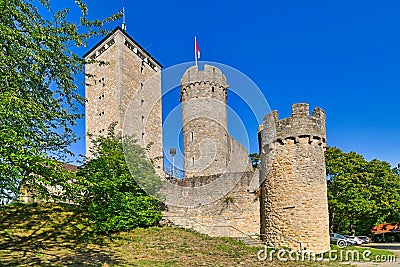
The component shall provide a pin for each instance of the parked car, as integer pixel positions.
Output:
(355, 239)
(341, 241)
(365, 239)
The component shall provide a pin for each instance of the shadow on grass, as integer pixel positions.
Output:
(50, 235)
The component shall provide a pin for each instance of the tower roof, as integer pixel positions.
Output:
(129, 37)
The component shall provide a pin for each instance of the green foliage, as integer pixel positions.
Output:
(113, 198)
(361, 194)
(396, 170)
(39, 102)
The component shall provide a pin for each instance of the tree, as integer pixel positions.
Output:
(361, 194)
(39, 102)
(112, 195)
(396, 170)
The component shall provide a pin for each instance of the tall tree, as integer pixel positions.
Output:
(39, 102)
(361, 194)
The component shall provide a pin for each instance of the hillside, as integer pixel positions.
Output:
(54, 235)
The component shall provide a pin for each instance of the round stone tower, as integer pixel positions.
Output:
(206, 141)
(294, 204)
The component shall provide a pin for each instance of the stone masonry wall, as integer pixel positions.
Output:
(294, 192)
(239, 207)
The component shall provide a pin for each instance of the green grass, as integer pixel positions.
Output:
(60, 235)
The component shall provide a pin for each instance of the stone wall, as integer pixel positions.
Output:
(294, 204)
(236, 209)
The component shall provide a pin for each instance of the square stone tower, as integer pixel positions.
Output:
(125, 89)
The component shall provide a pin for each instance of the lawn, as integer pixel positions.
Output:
(60, 235)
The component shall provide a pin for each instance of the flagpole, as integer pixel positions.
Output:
(195, 52)
(123, 19)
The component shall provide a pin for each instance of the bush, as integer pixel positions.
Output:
(112, 197)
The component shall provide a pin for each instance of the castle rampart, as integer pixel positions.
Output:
(238, 207)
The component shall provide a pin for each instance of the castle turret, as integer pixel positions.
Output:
(294, 205)
(206, 140)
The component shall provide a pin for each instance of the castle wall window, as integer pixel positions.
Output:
(102, 49)
(142, 69)
(143, 135)
(135, 50)
(100, 81)
(192, 160)
(192, 135)
(142, 118)
(141, 102)
(212, 89)
(141, 85)
(140, 55)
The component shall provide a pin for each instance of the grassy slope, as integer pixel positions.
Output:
(53, 235)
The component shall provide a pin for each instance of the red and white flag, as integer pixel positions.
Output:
(197, 50)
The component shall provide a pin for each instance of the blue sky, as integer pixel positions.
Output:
(343, 56)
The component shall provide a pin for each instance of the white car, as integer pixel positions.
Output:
(356, 239)
(365, 239)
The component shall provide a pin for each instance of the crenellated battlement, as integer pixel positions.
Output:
(210, 75)
(298, 127)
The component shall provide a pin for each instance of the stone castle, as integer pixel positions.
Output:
(284, 201)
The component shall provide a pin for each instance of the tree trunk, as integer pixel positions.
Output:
(352, 230)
